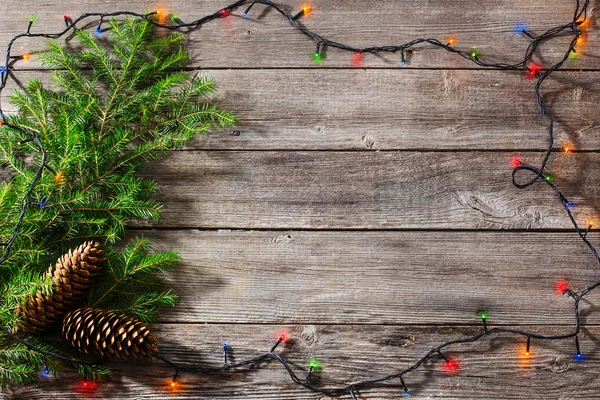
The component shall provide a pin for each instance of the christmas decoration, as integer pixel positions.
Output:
(35, 183)
(93, 131)
(93, 331)
(72, 277)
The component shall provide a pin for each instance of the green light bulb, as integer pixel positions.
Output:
(314, 364)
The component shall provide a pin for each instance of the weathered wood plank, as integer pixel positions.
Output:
(367, 190)
(241, 278)
(397, 109)
(374, 277)
(265, 39)
(493, 368)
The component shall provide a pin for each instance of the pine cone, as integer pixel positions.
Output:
(72, 276)
(93, 331)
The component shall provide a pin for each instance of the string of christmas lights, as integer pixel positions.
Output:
(451, 364)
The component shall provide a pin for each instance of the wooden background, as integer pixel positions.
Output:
(368, 209)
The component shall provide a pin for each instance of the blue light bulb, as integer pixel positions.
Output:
(99, 31)
(520, 27)
(403, 63)
(570, 204)
(407, 392)
(225, 346)
(579, 358)
(245, 14)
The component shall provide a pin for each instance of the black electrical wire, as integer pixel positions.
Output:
(537, 175)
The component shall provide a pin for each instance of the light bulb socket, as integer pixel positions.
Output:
(245, 13)
(298, 14)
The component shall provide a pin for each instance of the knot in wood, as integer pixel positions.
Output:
(309, 335)
(559, 365)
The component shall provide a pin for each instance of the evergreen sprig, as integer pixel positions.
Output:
(132, 285)
(120, 101)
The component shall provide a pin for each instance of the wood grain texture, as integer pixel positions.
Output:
(370, 257)
(375, 277)
(396, 109)
(366, 190)
(491, 369)
(266, 40)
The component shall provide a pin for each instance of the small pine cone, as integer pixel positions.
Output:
(72, 277)
(97, 332)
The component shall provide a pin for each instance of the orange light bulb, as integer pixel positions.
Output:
(583, 22)
(161, 15)
(26, 56)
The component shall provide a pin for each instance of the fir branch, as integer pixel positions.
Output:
(11, 373)
(130, 284)
(98, 127)
(143, 306)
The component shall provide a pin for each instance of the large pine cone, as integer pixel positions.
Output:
(103, 333)
(72, 277)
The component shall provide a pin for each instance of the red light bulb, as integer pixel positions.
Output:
(516, 162)
(561, 287)
(533, 70)
(451, 365)
(282, 335)
(87, 386)
(357, 59)
(223, 12)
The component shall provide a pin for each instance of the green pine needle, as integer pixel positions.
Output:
(112, 106)
(132, 283)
